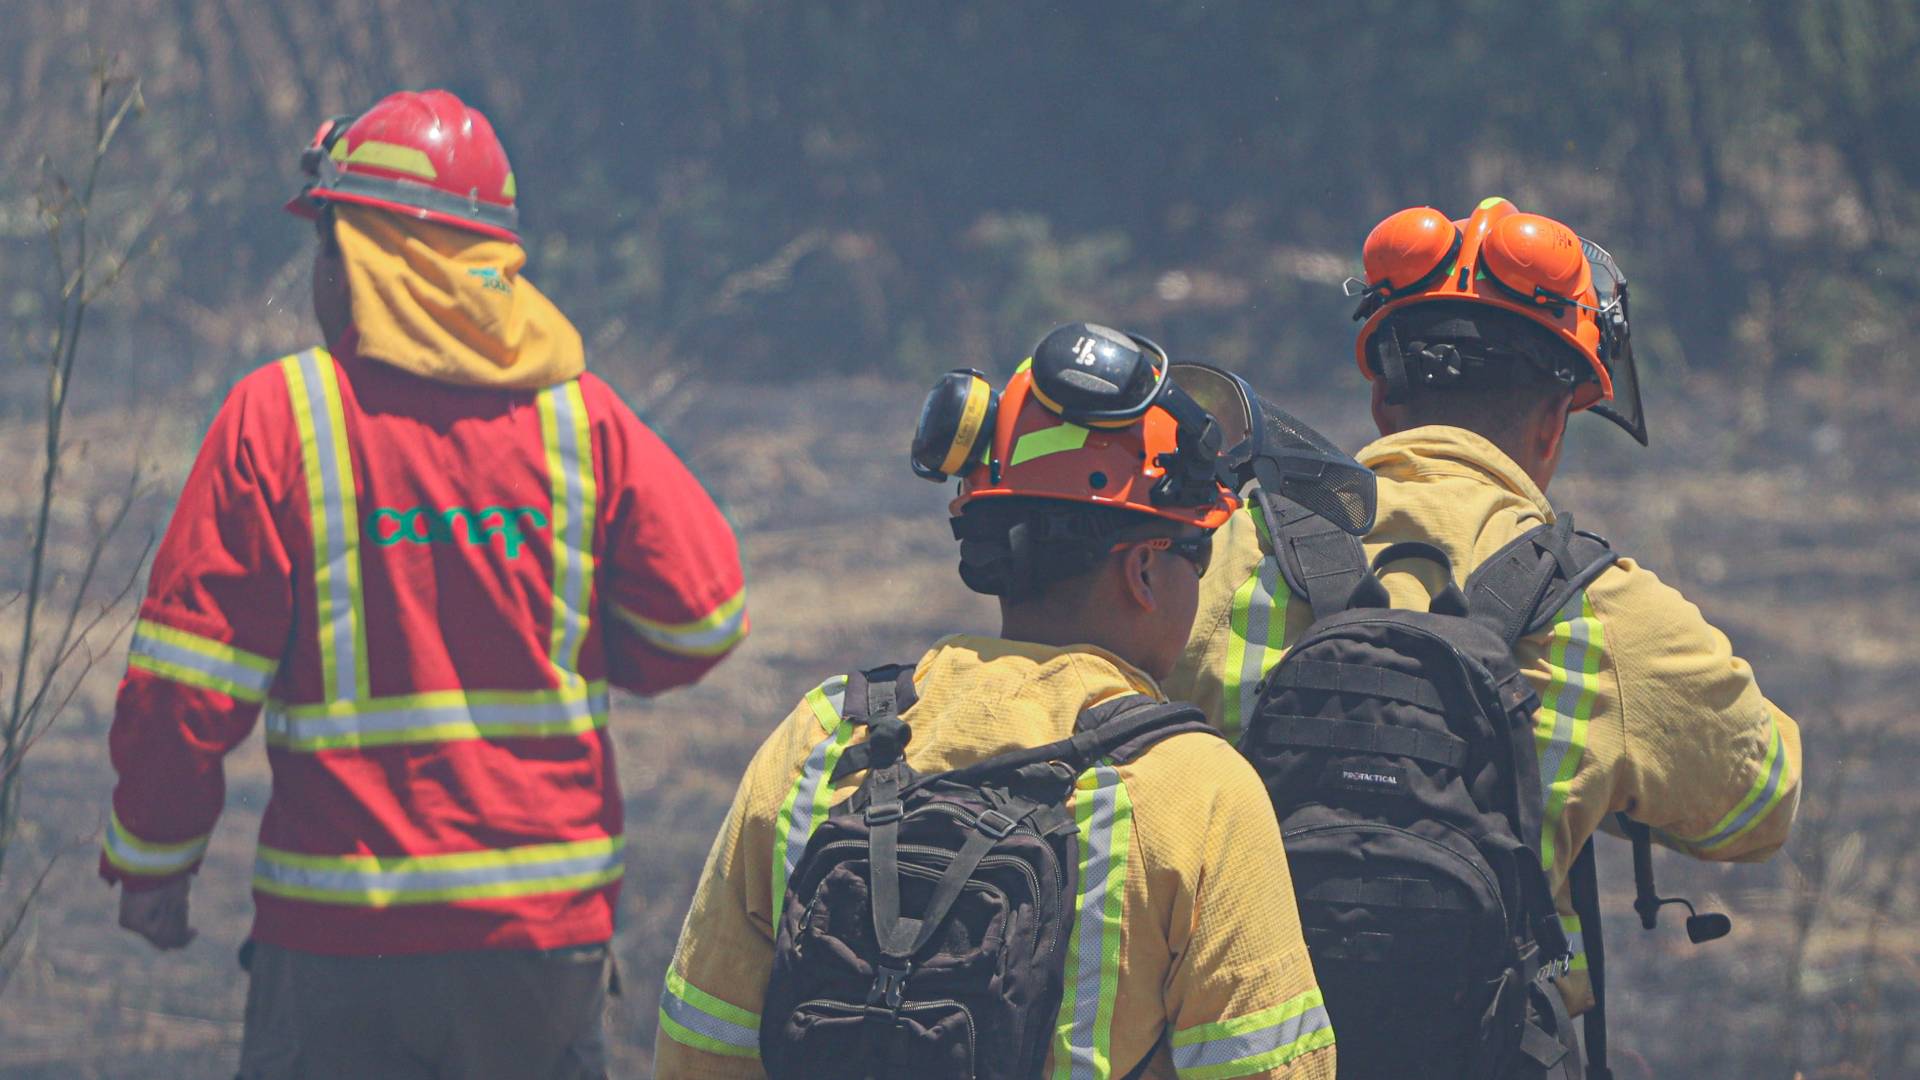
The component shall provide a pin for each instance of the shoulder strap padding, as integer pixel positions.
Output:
(1521, 588)
(876, 693)
(1120, 729)
(1322, 563)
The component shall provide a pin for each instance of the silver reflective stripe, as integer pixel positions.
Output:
(416, 881)
(134, 855)
(248, 678)
(1260, 615)
(570, 460)
(713, 1027)
(342, 543)
(813, 785)
(1266, 1040)
(413, 716)
(1769, 794)
(1092, 971)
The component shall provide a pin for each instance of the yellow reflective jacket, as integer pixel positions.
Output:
(1644, 707)
(1204, 939)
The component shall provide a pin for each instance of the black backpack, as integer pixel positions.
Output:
(925, 928)
(1398, 749)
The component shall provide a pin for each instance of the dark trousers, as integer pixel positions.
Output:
(507, 1014)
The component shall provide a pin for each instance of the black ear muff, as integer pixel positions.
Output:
(956, 423)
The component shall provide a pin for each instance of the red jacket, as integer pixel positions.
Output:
(428, 588)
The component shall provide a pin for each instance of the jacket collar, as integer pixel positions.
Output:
(1450, 451)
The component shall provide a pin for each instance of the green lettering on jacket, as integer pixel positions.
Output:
(421, 525)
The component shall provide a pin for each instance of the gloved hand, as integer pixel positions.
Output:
(159, 914)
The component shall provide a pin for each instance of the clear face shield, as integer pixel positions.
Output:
(1262, 443)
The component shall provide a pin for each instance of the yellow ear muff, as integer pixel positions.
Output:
(955, 423)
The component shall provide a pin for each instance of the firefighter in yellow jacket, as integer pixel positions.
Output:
(1481, 337)
(1089, 493)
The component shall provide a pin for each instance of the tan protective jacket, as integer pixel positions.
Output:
(1644, 707)
(1192, 926)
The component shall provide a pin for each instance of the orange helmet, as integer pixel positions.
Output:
(1525, 264)
(424, 155)
(1100, 419)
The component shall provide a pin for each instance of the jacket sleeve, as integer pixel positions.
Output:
(674, 592)
(1241, 997)
(1712, 764)
(205, 649)
(709, 1027)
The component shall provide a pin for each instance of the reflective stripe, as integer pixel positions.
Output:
(393, 880)
(1256, 639)
(385, 155)
(439, 716)
(1576, 941)
(692, 1017)
(1577, 644)
(1083, 1034)
(569, 445)
(807, 802)
(1765, 794)
(710, 635)
(1257, 1043)
(1046, 442)
(144, 857)
(334, 517)
(200, 661)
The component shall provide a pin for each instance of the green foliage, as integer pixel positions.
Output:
(966, 175)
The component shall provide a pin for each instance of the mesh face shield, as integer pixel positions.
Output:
(1263, 443)
(1616, 344)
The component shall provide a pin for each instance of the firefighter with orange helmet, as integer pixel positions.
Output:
(425, 552)
(1089, 492)
(1480, 337)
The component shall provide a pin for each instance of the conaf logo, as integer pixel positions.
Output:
(421, 525)
(490, 279)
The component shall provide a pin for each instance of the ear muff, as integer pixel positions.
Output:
(956, 423)
(1538, 258)
(1409, 251)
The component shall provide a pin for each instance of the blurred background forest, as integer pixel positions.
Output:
(773, 221)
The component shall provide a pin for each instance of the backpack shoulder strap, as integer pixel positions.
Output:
(1520, 589)
(874, 695)
(1321, 562)
(1125, 727)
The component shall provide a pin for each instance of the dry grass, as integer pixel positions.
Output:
(1791, 535)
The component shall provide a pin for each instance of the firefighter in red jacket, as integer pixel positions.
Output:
(425, 552)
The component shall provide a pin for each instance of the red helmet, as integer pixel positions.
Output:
(421, 154)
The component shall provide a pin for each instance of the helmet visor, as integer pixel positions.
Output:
(1616, 343)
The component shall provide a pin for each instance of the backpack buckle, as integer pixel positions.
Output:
(998, 827)
(889, 985)
(883, 813)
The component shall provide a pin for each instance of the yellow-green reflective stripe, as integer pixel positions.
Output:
(1576, 941)
(1577, 645)
(1256, 639)
(1768, 787)
(385, 155)
(693, 1017)
(710, 635)
(196, 661)
(439, 716)
(806, 804)
(208, 647)
(1255, 1043)
(575, 492)
(1054, 440)
(1083, 1034)
(334, 516)
(136, 856)
(389, 881)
